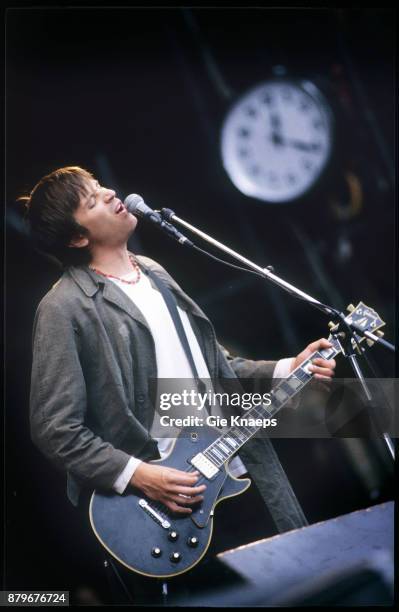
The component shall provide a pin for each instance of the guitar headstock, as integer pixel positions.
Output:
(363, 318)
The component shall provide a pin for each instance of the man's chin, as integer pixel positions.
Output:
(132, 221)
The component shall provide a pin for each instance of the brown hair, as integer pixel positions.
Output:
(50, 207)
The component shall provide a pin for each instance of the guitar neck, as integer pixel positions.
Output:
(224, 447)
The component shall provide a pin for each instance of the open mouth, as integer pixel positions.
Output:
(119, 208)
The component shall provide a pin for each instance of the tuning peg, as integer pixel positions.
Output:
(370, 342)
(350, 308)
(332, 325)
(379, 333)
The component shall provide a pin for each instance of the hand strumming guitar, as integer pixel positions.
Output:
(174, 488)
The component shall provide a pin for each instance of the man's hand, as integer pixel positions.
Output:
(173, 488)
(322, 369)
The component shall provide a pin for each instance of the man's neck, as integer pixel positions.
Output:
(114, 261)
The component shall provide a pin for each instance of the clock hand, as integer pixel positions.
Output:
(275, 121)
(276, 136)
(310, 147)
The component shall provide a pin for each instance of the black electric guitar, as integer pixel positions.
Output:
(148, 538)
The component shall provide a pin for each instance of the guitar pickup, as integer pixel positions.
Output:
(204, 465)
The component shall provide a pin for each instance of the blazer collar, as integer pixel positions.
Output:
(86, 279)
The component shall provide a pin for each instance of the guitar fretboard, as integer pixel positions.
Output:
(224, 447)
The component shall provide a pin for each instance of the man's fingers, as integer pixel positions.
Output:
(324, 363)
(180, 500)
(323, 367)
(322, 343)
(181, 473)
(321, 377)
(182, 478)
(323, 371)
(190, 491)
(172, 473)
(178, 509)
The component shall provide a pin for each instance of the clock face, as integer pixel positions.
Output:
(277, 139)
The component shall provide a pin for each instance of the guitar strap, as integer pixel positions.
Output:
(170, 302)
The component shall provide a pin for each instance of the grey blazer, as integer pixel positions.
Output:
(91, 402)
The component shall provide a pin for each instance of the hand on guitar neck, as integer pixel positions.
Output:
(322, 369)
(174, 488)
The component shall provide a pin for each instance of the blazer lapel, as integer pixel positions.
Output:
(114, 294)
(90, 283)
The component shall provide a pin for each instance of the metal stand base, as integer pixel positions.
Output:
(121, 594)
(118, 590)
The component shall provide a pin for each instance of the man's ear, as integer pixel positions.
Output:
(79, 242)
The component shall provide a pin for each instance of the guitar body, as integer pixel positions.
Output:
(133, 532)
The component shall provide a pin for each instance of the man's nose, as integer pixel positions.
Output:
(109, 194)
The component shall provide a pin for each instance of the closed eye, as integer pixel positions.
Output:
(92, 199)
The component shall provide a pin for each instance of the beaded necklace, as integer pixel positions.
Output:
(128, 282)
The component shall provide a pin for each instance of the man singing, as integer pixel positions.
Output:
(102, 333)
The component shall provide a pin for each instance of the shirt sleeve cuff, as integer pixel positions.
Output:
(124, 477)
(283, 368)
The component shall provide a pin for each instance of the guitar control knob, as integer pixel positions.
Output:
(175, 557)
(192, 542)
(156, 552)
(173, 536)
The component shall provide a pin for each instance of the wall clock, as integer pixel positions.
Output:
(277, 140)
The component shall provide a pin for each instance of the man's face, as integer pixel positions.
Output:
(104, 216)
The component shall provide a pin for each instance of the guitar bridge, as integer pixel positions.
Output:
(204, 465)
(154, 514)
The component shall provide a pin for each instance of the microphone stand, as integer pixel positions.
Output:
(337, 316)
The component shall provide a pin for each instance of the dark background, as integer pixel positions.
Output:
(138, 96)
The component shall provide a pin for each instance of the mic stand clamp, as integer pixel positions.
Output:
(172, 231)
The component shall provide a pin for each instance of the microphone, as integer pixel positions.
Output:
(135, 204)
